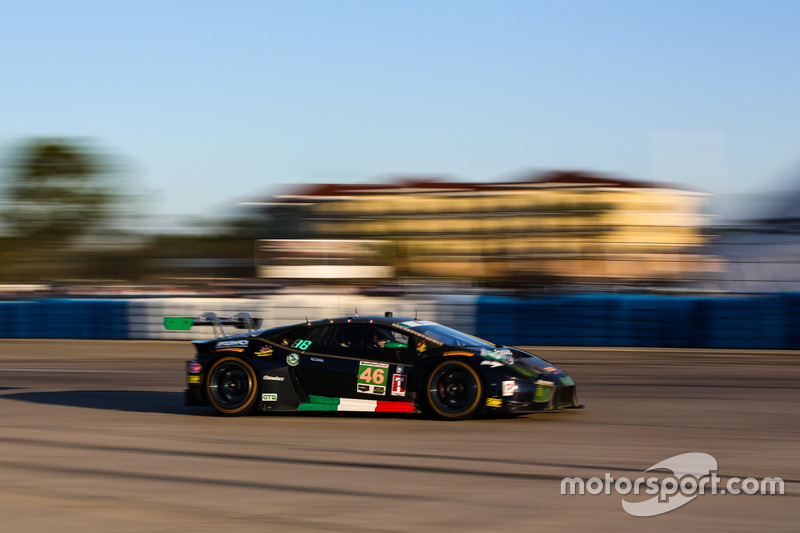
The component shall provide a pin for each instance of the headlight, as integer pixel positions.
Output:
(503, 355)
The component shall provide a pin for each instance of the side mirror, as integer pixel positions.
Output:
(395, 345)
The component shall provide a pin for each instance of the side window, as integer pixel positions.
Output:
(390, 339)
(376, 342)
(348, 339)
(287, 336)
(312, 338)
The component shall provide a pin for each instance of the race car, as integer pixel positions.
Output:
(366, 363)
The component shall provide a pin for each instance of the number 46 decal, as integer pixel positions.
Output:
(372, 377)
(376, 376)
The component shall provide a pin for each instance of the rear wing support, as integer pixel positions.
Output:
(238, 321)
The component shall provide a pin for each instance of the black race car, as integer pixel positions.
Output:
(367, 363)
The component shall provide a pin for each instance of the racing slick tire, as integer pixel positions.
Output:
(454, 390)
(232, 386)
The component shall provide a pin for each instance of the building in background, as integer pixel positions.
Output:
(559, 227)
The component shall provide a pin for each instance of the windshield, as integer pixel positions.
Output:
(445, 335)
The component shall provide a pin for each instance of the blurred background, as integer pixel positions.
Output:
(517, 148)
(71, 226)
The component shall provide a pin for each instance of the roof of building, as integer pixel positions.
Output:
(441, 186)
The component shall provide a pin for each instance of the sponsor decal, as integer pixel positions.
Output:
(544, 391)
(399, 384)
(269, 397)
(239, 350)
(400, 369)
(509, 388)
(227, 344)
(292, 359)
(274, 378)
(317, 359)
(192, 379)
(372, 377)
(266, 351)
(465, 354)
(494, 402)
(549, 369)
(491, 363)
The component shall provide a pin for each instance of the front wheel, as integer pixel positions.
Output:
(454, 390)
(232, 386)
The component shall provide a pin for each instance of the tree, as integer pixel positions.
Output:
(55, 194)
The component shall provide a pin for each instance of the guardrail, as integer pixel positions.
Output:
(761, 322)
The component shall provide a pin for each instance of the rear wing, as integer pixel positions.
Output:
(238, 321)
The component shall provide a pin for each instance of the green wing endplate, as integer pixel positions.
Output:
(178, 323)
(239, 321)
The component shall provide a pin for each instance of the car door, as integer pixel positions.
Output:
(329, 358)
(379, 361)
(330, 362)
(318, 371)
(351, 360)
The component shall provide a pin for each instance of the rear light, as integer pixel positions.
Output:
(193, 367)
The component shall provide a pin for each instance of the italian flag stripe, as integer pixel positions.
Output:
(319, 403)
(394, 407)
(324, 403)
(349, 404)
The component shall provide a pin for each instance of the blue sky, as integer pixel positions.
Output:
(209, 102)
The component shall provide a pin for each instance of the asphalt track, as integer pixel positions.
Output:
(94, 437)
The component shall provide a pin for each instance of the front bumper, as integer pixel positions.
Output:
(547, 394)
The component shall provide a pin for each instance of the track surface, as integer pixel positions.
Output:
(94, 437)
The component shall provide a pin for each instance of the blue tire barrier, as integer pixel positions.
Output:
(770, 321)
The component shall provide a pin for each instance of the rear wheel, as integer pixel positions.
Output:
(454, 390)
(232, 386)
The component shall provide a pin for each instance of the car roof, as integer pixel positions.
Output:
(369, 319)
(355, 319)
